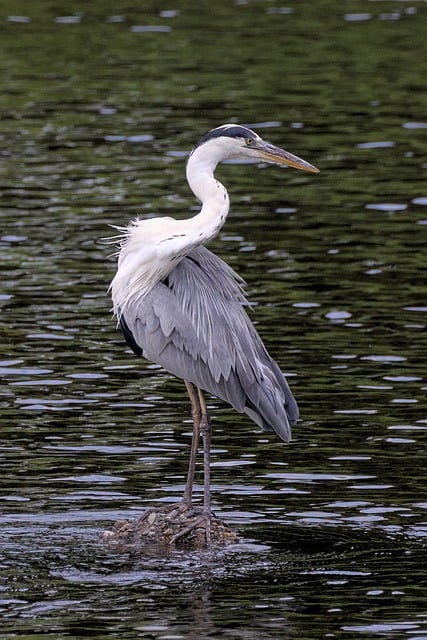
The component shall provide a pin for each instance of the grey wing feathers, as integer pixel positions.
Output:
(194, 324)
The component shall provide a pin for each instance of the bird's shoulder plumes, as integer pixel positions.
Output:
(149, 250)
(141, 262)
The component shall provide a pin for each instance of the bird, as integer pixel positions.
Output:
(182, 307)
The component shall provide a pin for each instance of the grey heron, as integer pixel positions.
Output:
(182, 307)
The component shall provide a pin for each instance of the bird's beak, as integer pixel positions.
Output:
(276, 155)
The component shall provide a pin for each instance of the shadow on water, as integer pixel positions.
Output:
(99, 107)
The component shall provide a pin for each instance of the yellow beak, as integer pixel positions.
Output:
(276, 155)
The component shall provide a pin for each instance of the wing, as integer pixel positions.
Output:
(194, 324)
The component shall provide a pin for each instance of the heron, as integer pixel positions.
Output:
(182, 307)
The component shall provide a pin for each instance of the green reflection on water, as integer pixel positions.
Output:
(91, 434)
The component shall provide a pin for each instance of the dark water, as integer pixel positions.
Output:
(99, 104)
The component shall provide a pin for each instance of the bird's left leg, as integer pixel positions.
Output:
(196, 413)
(205, 430)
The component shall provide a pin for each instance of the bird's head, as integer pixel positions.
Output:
(236, 142)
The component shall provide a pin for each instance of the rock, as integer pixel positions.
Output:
(176, 524)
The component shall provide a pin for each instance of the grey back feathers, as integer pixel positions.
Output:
(194, 324)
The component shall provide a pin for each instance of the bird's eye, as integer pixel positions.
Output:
(249, 142)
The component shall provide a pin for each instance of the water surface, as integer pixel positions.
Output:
(99, 107)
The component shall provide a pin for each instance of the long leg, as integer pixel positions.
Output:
(198, 519)
(205, 429)
(196, 413)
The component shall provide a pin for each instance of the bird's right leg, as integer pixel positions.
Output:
(196, 413)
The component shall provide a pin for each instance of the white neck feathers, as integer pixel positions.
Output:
(150, 249)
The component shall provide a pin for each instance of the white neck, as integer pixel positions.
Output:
(212, 194)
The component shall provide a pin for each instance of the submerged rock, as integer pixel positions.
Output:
(176, 524)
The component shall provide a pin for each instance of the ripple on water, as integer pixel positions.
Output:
(92, 435)
(390, 207)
